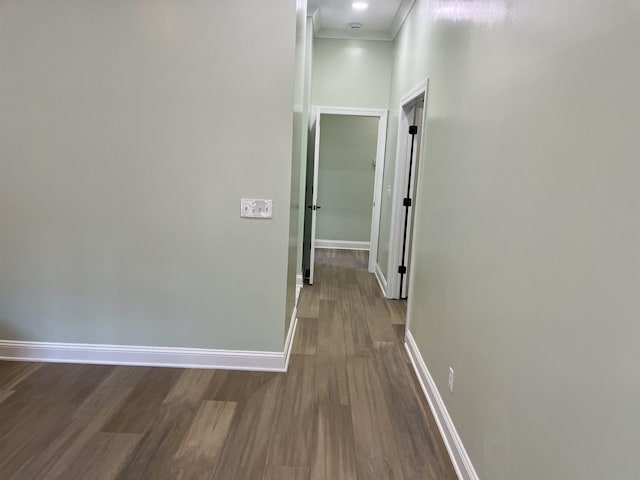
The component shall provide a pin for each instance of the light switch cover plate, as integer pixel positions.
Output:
(256, 208)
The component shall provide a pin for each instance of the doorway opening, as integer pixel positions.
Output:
(406, 190)
(344, 182)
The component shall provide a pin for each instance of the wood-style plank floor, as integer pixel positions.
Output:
(349, 407)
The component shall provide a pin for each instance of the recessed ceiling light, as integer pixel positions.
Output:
(360, 5)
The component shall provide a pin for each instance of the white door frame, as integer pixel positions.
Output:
(315, 126)
(397, 209)
(382, 116)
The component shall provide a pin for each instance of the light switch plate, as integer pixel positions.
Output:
(256, 208)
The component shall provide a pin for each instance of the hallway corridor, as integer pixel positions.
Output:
(352, 339)
(348, 408)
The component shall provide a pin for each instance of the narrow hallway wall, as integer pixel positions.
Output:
(298, 158)
(527, 230)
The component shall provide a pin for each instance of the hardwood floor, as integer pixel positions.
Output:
(348, 408)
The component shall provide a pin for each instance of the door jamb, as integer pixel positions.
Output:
(395, 240)
(379, 171)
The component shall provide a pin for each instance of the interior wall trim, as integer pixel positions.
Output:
(151, 356)
(396, 231)
(99, 354)
(342, 244)
(381, 280)
(288, 343)
(458, 454)
(143, 356)
(299, 285)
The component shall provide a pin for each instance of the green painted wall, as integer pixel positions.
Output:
(307, 144)
(346, 176)
(298, 158)
(527, 229)
(123, 158)
(351, 73)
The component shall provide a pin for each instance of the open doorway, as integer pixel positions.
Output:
(406, 190)
(344, 182)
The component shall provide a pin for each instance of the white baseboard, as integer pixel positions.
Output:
(381, 280)
(342, 244)
(143, 356)
(152, 356)
(299, 285)
(459, 457)
(288, 343)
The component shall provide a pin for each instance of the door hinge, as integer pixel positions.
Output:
(402, 269)
(406, 202)
(413, 130)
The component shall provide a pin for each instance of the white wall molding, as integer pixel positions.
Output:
(288, 343)
(413, 94)
(342, 244)
(457, 452)
(396, 231)
(381, 280)
(361, 112)
(339, 34)
(384, 35)
(153, 356)
(299, 285)
(143, 356)
(401, 15)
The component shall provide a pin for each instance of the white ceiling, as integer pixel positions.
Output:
(381, 21)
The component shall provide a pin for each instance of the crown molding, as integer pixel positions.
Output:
(353, 34)
(347, 34)
(401, 15)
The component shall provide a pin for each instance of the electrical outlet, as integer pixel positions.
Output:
(452, 375)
